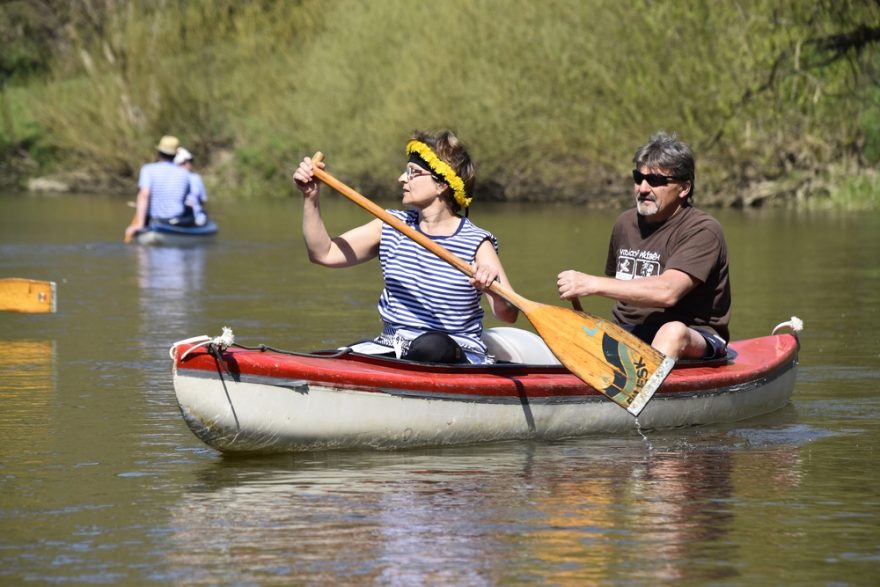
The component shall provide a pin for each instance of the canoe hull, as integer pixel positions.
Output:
(165, 235)
(265, 402)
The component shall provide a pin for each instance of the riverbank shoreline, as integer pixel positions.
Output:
(797, 188)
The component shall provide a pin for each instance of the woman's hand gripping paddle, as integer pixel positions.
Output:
(603, 355)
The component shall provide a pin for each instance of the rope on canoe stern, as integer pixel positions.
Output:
(795, 324)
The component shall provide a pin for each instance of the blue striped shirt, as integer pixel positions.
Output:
(423, 292)
(168, 184)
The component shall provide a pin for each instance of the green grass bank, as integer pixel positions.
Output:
(779, 99)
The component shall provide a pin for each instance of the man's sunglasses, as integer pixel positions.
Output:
(655, 180)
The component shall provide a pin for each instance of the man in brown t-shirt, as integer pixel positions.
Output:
(667, 261)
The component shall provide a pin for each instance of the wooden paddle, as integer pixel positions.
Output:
(27, 295)
(127, 239)
(603, 355)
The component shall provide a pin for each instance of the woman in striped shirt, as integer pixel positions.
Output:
(430, 311)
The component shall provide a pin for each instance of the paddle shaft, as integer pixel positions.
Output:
(128, 238)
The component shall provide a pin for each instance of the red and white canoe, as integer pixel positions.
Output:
(258, 400)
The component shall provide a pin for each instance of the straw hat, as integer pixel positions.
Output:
(168, 145)
(182, 156)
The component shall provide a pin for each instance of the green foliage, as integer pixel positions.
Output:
(27, 32)
(553, 97)
(852, 191)
(871, 124)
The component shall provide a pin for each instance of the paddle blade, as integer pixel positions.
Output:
(27, 295)
(602, 354)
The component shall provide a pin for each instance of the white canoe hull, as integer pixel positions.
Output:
(259, 414)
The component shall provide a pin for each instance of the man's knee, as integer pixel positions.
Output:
(677, 340)
(673, 331)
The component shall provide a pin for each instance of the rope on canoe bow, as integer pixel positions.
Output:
(220, 343)
(323, 355)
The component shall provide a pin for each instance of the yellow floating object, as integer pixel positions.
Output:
(27, 295)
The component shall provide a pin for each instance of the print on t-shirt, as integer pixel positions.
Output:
(632, 264)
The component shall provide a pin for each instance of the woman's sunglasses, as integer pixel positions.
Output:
(655, 180)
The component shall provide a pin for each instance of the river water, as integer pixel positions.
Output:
(101, 481)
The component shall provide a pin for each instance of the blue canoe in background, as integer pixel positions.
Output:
(162, 234)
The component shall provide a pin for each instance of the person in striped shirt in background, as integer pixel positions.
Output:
(162, 189)
(430, 311)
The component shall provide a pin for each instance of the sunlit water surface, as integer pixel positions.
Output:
(102, 483)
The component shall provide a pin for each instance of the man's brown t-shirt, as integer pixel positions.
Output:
(690, 241)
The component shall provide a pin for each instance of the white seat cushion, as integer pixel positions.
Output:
(516, 345)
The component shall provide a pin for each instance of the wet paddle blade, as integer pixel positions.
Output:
(27, 295)
(602, 354)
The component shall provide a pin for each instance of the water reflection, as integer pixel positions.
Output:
(27, 393)
(171, 282)
(515, 513)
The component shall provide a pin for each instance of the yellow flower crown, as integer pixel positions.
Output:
(442, 169)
